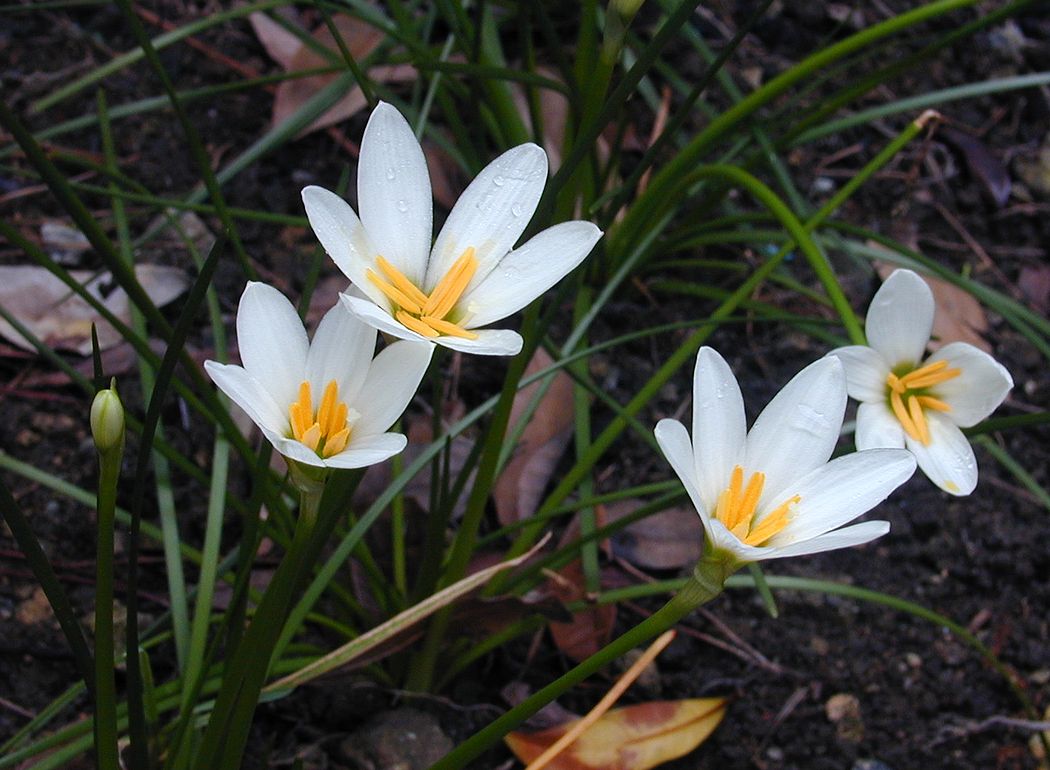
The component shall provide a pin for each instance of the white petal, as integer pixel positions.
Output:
(842, 490)
(979, 390)
(948, 461)
(368, 451)
(492, 213)
(674, 442)
(719, 424)
(877, 427)
(393, 192)
(391, 383)
(248, 394)
(858, 534)
(490, 342)
(866, 372)
(343, 237)
(527, 272)
(272, 341)
(797, 431)
(378, 318)
(900, 318)
(341, 350)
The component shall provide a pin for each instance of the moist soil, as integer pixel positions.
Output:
(832, 682)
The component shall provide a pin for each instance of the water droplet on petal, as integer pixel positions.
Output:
(391, 173)
(515, 210)
(497, 180)
(402, 205)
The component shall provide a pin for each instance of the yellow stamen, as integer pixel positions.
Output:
(931, 374)
(451, 287)
(897, 405)
(327, 432)
(447, 327)
(393, 293)
(933, 403)
(895, 383)
(400, 280)
(919, 420)
(738, 504)
(415, 324)
(772, 523)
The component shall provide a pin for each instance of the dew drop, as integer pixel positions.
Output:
(515, 210)
(390, 173)
(402, 205)
(497, 180)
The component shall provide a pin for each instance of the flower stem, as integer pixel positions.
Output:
(227, 732)
(105, 678)
(705, 584)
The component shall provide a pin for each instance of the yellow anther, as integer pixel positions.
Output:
(933, 403)
(772, 523)
(393, 293)
(451, 287)
(400, 280)
(737, 506)
(447, 327)
(919, 420)
(895, 383)
(325, 432)
(415, 324)
(901, 412)
(931, 374)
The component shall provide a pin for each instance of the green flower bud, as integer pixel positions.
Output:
(107, 419)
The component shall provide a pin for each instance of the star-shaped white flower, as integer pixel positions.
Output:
(907, 401)
(473, 276)
(771, 492)
(325, 403)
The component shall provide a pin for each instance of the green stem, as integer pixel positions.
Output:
(105, 677)
(227, 731)
(705, 584)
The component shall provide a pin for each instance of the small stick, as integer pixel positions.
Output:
(605, 703)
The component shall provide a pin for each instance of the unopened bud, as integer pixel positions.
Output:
(107, 419)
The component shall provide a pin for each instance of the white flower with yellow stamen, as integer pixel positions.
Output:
(325, 403)
(771, 492)
(473, 276)
(907, 401)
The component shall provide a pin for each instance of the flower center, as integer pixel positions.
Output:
(327, 431)
(423, 314)
(737, 504)
(909, 396)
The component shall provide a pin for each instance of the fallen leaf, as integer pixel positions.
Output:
(61, 319)
(519, 488)
(982, 162)
(590, 628)
(669, 539)
(630, 738)
(958, 317)
(360, 39)
(64, 242)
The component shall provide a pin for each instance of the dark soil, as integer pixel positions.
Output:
(924, 698)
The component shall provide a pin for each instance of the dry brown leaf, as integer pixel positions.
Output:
(958, 318)
(590, 629)
(519, 488)
(667, 540)
(631, 738)
(62, 320)
(287, 50)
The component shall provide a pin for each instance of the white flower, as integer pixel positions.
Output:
(771, 492)
(471, 277)
(920, 404)
(325, 403)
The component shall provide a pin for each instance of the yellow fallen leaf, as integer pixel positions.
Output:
(631, 738)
